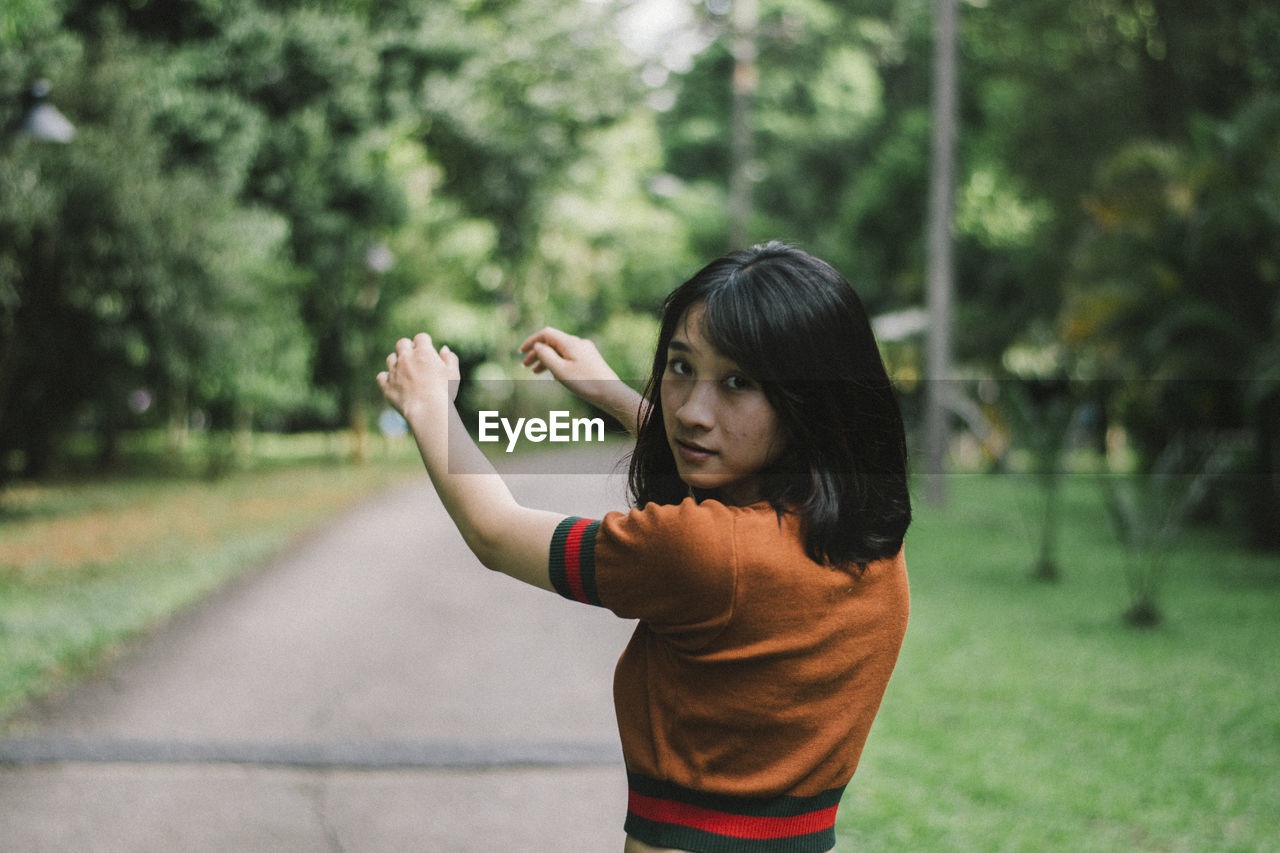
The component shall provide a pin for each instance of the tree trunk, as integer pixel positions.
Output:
(940, 273)
(744, 24)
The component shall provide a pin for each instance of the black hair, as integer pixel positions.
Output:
(795, 326)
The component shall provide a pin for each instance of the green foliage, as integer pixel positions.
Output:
(241, 161)
(1050, 92)
(257, 351)
(111, 279)
(840, 151)
(510, 110)
(22, 20)
(295, 172)
(1175, 290)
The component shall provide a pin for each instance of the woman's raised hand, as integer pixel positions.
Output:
(574, 362)
(418, 375)
(577, 365)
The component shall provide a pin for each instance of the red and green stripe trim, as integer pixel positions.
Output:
(668, 815)
(572, 562)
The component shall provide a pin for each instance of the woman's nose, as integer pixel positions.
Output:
(697, 407)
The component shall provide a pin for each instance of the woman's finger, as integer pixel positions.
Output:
(550, 336)
(549, 356)
(541, 334)
(450, 358)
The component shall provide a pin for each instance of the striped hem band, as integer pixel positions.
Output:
(572, 562)
(667, 815)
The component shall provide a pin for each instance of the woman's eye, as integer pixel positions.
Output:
(738, 383)
(678, 367)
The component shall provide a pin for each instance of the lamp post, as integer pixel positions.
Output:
(43, 122)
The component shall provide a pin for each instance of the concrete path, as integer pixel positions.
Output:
(372, 689)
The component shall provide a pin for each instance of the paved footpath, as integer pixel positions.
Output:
(372, 689)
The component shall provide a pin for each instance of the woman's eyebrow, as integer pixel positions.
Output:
(679, 345)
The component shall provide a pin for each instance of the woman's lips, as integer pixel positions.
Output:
(692, 452)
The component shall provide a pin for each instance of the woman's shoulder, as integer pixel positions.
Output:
(689, 529)
(690, 514)
(673, 566)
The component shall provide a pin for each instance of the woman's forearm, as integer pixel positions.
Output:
(577, 365)
(463, 478)
(503, 535)
(621, 402)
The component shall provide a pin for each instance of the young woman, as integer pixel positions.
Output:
(763, 558)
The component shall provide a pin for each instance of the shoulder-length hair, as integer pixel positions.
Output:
(795, 326)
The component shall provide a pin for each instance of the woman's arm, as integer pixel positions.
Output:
(577, 365)
(504, 535)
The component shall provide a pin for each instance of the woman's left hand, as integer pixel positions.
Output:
(417, 376)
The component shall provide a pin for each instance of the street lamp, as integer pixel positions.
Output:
(40, 119)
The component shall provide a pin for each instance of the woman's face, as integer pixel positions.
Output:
(721, 428)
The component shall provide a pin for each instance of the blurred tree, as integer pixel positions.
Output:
(255, 360)
(498, 96)
(525, 81)
(1175, 293)
(841, 136)
(511, 97)
(1049, 92)
(308, 76)
(1057, 90)
(363, 152)
(527, 114)
(1056, 99)
(608, 252)
(110, 289)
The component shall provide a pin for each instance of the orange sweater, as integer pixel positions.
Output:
(747, 691)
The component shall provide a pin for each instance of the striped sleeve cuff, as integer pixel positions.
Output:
(668, 815)
(572, 561)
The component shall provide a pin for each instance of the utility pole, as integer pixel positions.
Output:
(940, 265)
(744, 22)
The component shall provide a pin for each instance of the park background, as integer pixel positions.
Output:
(197, 285)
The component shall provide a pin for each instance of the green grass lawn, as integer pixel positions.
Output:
(1027, 716)
(86, 564)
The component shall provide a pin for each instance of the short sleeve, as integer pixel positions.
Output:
(674, 567)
